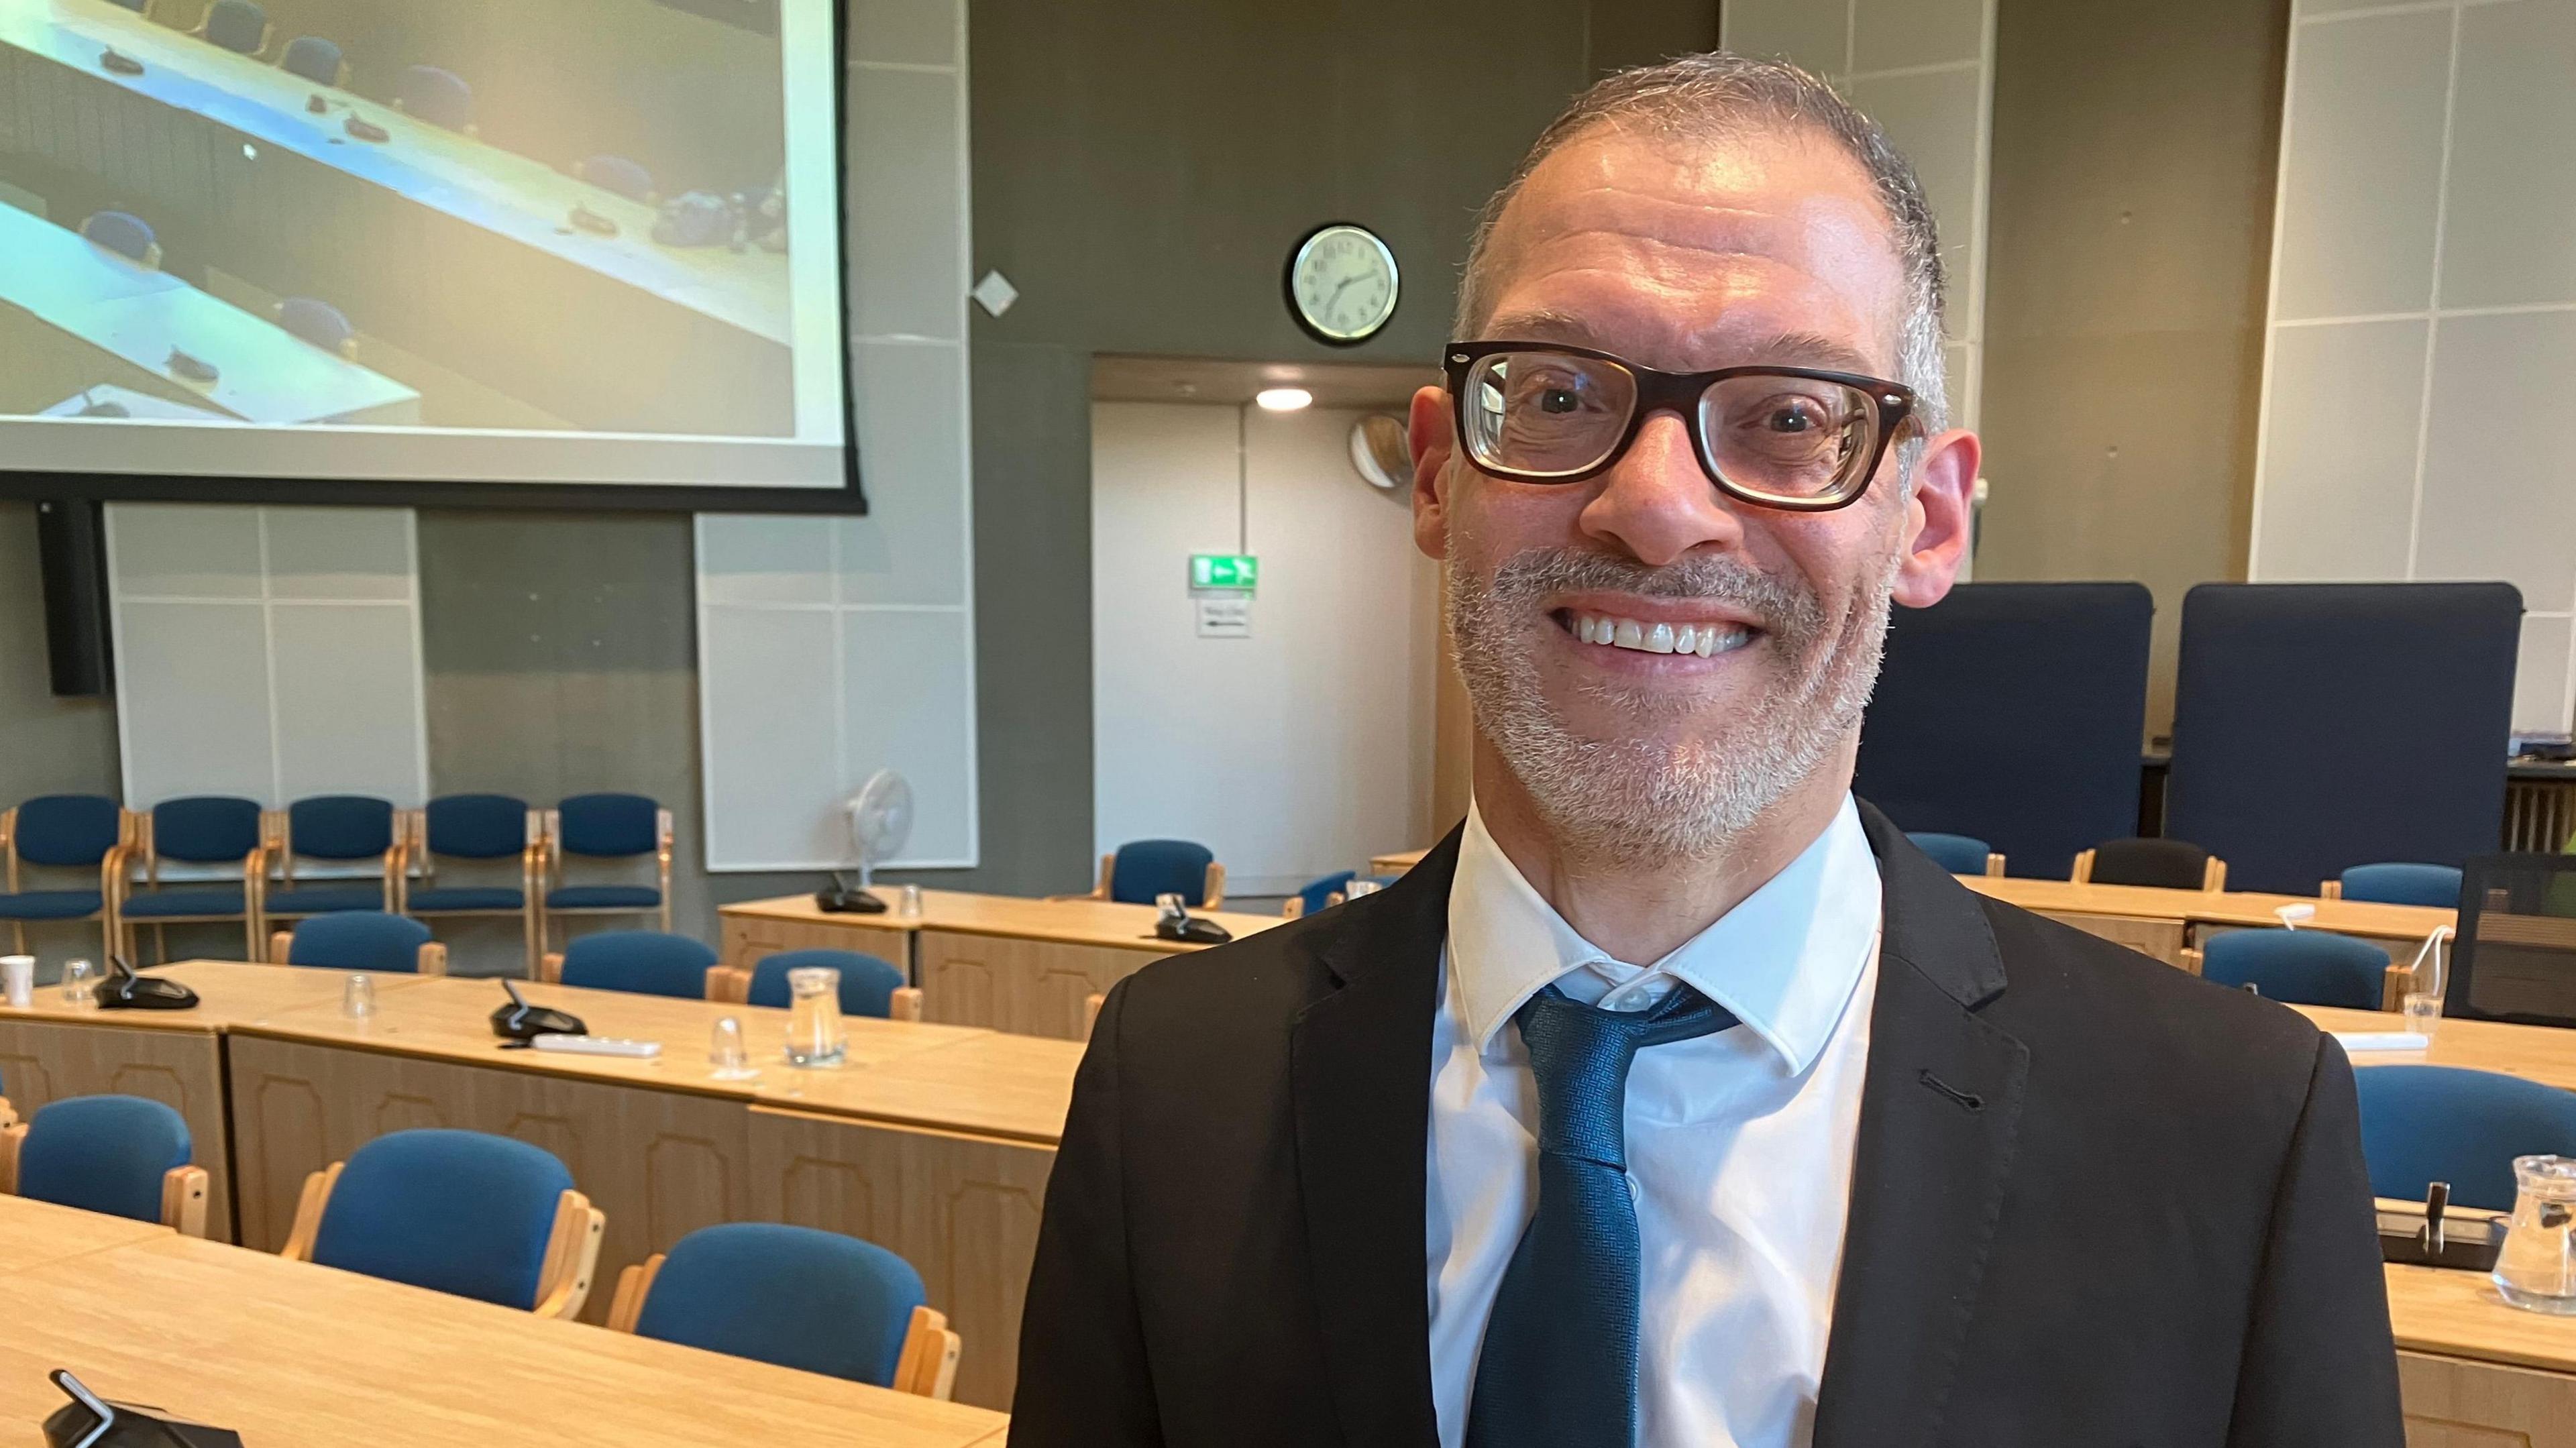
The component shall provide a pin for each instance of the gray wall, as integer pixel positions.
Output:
(2131, 211)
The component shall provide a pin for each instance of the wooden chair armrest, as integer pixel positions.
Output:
(433, 957)
(392, 865)
(8, 1114)
(309, 1208)
(2394, 983)
(1091, 1005)
(1215, 885)
(718, 983)
(904, 1004)
(2330, 889)
(2083, 871)
(281, 944)
(2191, 957)
(633, 1286)
(12, 1136)
(1108, 867)
(550, 967)
(928, 1364)
(183, 1200)
(1292, 908)
(572, 1255)
(1994, 863)
(2213, 876)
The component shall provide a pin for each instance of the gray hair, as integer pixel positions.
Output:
(1718, 95)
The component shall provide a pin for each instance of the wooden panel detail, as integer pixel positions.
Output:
(962, 1209)
(660, 1163)
(747, 938)
(45, 1060)
(1029, 987)
(2160, 939)
(2455, 1403)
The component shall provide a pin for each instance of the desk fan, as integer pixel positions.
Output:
(880, 818)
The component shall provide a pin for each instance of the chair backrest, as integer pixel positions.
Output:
(239, 26)
(1144, 869)
(102, 1154)
(644, 962)
(2171, 864)
(1317, 895)
(1958, 854)
(2299, 967)
(340, 827)
(317, 322)
(2422, 1124)
(359, 940)
(795, 1296)
(476, 826)
(205, 829)
(608, 826)
(454, 1211)
(439, 97)
(867, 983)
(2396, 884)
(313, 58)
(615, 173)
(122, 232)
(68, 829)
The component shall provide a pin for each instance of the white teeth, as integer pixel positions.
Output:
(1703, 639)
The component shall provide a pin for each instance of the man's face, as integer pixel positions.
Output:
(1685, 257)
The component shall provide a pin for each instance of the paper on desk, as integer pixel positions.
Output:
(2353, 1041)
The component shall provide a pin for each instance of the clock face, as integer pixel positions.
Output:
(1341, 284)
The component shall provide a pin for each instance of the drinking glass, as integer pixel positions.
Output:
(908, 904)
(2423, 1014)
(358, 997)
(1360, 886)
(20, 974)
(80, 983)
(814, 1033)
(726, 1053)
(2537, 1268)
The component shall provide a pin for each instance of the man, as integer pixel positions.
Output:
(1857, 1158)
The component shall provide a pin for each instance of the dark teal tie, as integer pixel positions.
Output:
(1559, 1365)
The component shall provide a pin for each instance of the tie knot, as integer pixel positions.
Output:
(1580, 1056)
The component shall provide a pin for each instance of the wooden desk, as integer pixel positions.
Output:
(290, 1353)
(434, 241)
(1397, 863)
(73, 316)
(2161, 922)
(2473, 1371)
(50, 1050)
(36, 1234)
(999, 961)
(2546, 1054)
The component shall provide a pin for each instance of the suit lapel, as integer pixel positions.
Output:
(1939, 1106)
(1360, 1059)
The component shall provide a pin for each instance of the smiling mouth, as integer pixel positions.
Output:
(1640, 636)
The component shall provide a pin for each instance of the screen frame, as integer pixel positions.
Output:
(849, 499)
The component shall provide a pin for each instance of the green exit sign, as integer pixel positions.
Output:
(1238, 572)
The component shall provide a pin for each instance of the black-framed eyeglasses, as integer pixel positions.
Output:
(1780, 437)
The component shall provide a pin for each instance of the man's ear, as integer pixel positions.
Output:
(1937, 519)
(1432, 442)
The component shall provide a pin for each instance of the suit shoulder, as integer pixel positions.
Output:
(1271, 974)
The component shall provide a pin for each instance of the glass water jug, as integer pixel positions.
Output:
(2537, 1267)
(815, 1036)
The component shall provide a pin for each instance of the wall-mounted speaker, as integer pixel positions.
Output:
(72, 554)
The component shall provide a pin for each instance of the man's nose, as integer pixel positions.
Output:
(1657, 503)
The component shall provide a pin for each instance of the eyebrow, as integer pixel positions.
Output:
(1792, 349)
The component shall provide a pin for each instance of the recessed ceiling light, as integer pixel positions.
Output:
(1283, 399)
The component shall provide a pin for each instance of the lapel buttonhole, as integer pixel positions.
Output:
(1967, 1100)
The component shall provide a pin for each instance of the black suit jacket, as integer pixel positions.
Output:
(2094, 1200)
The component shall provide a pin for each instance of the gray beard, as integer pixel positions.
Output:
(1630, 801)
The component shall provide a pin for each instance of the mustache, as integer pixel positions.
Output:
(1783, 607)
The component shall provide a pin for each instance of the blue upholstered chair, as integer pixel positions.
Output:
(122, 1155)
(2397, 884)
(203, 829)
(869, 986)
(477, 831)
(126, 234)
(645, 962)
(2165, 864)
(321, 324)
(336, 829)
(317, 60)
(239, 26)
(1958, 854)
(1140, 870)
(2423, 1124)
(84, 832)
(368, 940)
(794, 1296)
(606, 827)
(615, 173)
(1317, 895)
(439, 97)
(457, 1212)
(2297, 967)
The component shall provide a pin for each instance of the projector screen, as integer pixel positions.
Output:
(380, 244)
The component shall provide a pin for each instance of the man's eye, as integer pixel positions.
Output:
(1793, 417)
(1558, 399)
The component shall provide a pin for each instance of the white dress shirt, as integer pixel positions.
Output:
(1739, 1142)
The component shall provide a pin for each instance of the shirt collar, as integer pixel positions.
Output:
(1785, 960)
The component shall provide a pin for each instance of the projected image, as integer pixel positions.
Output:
(501, 240)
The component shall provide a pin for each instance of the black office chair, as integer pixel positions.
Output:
(319, 323)
(615, 173)
(126, 234)
(239, 26)
(316, 60)
(2166, 864)
(439, 97)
